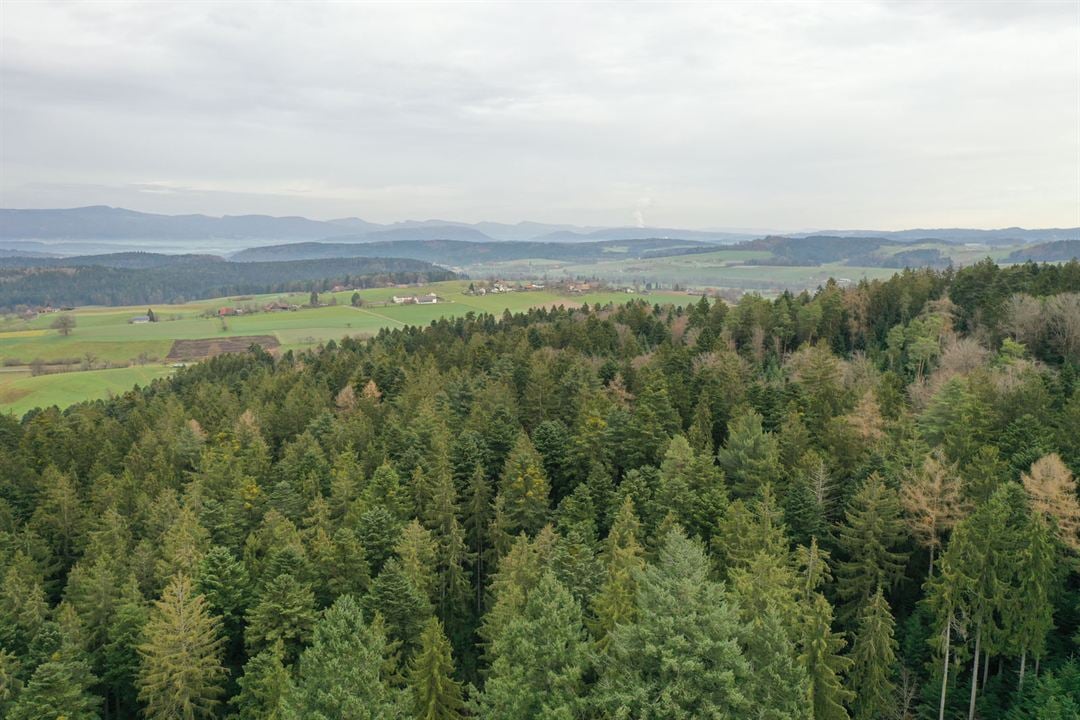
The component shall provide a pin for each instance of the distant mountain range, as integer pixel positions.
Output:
(459, 253)
(107, 229)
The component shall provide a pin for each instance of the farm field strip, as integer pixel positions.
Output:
(104, 334)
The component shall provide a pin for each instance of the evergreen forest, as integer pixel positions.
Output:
(858, 503)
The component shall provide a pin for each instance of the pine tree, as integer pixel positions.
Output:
(341, 675)
(262, 687)
(868, 538)
(538, 658)
(181, 674)
(436, 695)
(874, 661)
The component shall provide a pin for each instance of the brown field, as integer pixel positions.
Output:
(184, 350)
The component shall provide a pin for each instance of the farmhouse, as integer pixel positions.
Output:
(227, 312)
(429, 299)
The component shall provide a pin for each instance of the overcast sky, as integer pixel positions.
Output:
(829, 115)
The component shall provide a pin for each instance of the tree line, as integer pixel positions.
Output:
(194, 276)
(857, 503)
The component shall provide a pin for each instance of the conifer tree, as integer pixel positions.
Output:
(22, 603)
(871, 532)
(765, 590)
(435, 693)
(873, 657)
(403, 606)
(262, 687)
(181, 674)
(750, 457)
(341, 675)
(681, 658)
(285, 611)
(183, 545)
(825, 667)
(1053, 493)
(932, 503)
(523, 490)
(538, 658)
(119, 653)
(59, 688)
(616, 602)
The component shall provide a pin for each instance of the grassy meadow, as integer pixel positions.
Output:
(104, 336)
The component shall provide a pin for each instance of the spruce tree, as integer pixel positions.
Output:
(868, 539)
(285, 611)
(262, 687)
(750, 457)
(523, 491)
(538, 658)
(59, 688)
(873, 657)
(435, 693)
(403, 606)
(681, 657)
(341, 675)
(181, 674)
(823, 663)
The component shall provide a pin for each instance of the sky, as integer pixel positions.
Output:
(709, 115)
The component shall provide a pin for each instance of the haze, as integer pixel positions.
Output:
(873, 115)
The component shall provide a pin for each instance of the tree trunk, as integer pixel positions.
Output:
(945, 669)
(1023, 661)
(986, 668)
(975, 674)
(930, 573)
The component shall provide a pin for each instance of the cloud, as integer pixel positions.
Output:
(781, 115)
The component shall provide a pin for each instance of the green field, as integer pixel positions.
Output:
(19, 391)
(717, 269)
(103, 336)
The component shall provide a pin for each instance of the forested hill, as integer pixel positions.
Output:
(859, 503)
(144, 278)
(459, 252)
(1058, 251)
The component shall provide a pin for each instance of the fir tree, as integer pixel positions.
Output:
(436, 695)
(873, 657)
(181, 674)
(538, 658)
(750, 457)
(681, 658)
(871, 532)
(262, 687)
(285, 611)
(341, 675)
